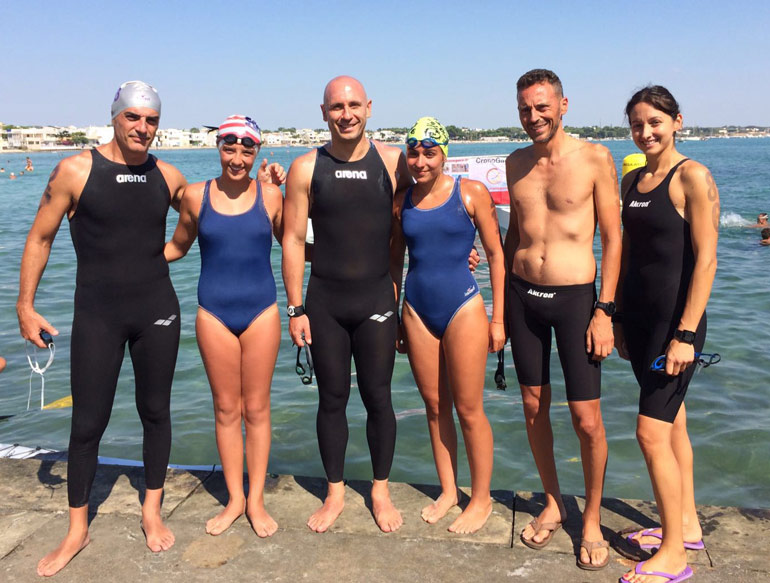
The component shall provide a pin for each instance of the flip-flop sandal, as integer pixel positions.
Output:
(696, 546)
(551, 527)
(591, 546)
(678, 578)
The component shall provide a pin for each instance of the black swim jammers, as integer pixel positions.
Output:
(532, 311)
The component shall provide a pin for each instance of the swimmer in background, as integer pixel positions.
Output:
(671, 227)
(238, 327)
(445, 329)
(29, 167)
(761, 222)
(765, 233)
(12, 176)
(2, 364)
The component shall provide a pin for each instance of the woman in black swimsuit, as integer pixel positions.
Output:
(671, 224)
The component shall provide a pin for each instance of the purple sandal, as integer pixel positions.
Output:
(686, 574)
(696, 546)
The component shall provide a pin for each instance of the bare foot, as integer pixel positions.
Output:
(592, 532)
(674, 565)
(550, 514)
(262, 523)
(386, 515)
(324, 517)
(434, 512)
(159, 537)
(75, 541)
(473, 517)
(222, 521)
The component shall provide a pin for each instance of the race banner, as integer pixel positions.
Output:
(489, 170)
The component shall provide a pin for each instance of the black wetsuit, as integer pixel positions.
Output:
(123, 294)
(351, 304)
(660, 267)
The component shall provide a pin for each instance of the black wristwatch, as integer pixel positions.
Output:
(685, 336)
(606, 307)
(294, 311)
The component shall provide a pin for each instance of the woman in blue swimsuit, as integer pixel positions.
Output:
(238, 328)
(445, 328)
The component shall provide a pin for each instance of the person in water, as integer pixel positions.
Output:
(238, 326)
(116, 198)
(561, 188)
(446, 332)
(671, 226)
(761, 221)
(765, 234)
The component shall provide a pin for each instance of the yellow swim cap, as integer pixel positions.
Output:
(632, 162)
(428, 132)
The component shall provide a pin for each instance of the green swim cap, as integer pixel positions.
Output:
(428, 132)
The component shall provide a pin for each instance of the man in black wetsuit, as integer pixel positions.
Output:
(347, 188)
(116, 198)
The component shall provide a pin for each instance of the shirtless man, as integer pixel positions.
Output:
(123, 295)
(560, 187)
(347, 188)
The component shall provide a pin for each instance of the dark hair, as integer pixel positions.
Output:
(765, 233)
(536, 76)
(657, 96)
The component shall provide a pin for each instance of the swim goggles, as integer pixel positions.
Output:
(247, 142)
(702, 359)
(425, 143)
(36, 367)
(305, 375)
(500, 372)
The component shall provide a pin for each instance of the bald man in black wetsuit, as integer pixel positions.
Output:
(347, 188)
(116, 198)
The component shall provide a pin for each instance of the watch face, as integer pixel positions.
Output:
(290, 310)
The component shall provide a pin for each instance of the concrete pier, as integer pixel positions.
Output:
(33, 519)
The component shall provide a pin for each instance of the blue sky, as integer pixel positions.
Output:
(458, 61)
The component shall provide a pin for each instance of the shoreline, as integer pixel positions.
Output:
(317, 144)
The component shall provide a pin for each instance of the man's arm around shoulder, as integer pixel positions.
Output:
(175, 181)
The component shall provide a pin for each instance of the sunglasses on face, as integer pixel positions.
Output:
(246, 142)
(425, 143)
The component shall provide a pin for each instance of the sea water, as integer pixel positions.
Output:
(727, 404)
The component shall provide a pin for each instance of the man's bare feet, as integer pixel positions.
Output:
(324, 517)
(434, 512)
(550, 514)
(222, 521)
(262, 523)
(473, 517)
(75, 541)
(159, 537)
(386, 515)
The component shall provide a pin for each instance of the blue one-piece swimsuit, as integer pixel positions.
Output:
(439, 240)
(236, 283)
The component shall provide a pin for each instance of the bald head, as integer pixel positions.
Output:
(345, 84)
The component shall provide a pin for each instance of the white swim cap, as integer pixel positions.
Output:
(135, 94)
